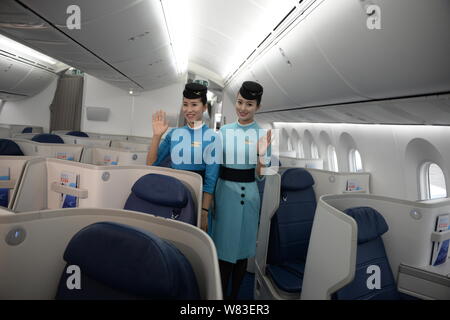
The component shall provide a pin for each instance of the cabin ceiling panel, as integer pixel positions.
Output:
(369, 113)
(407, 56)
(304, 74)
(229, 30)
(27, 28)
(115, 30)
(36, 81)
(433, 110)
(122, 42)
(429, 112)
(331, 57)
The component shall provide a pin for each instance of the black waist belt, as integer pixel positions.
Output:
(237, 175)
(200, 172)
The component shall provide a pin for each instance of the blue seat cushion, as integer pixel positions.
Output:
(290, 230)
(371, 223)
(122, 262)
(78, 134)
(370, 253)
(161, 190)
(162, 196)
(47, 138)
(291, 226)
(27, 130)
(287, 277)
(296, 179)
(9, 148)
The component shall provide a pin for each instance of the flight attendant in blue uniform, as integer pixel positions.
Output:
(236, 208)
(186, 146)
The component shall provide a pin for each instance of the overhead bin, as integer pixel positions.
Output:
(273, 93)
(408, 56)
(23, 74)
(332, 57)
(21, 80)
(301, 71)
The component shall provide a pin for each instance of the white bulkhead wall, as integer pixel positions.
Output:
(129, 115)
(393, 154)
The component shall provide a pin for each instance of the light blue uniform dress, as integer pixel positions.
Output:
(196, 141)
(237, 204)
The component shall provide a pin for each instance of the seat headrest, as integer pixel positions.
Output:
(132, 260)
(47, 138)
(77, 134)
(162, 190)
(9, 148)
(296, 179)
(27, 130)
(371, 223)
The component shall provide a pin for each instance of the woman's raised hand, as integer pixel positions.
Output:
(264, 143)
(160, 124)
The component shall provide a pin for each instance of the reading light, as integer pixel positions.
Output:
(178, 24)
(19, 48)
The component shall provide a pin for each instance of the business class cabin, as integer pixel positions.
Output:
(224, 150)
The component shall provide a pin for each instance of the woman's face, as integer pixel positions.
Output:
(193, 110)
(246, 109)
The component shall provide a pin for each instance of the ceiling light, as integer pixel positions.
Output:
(19, 48)
(178, 24)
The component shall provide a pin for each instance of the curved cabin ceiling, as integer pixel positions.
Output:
(122, 42)
(127, 42)
(224, 33)
(307, 54)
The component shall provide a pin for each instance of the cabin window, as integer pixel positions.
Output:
(300, 151)
(290, 147)
(332, 159)
(355, 161)
(433, 184)
(314, 151)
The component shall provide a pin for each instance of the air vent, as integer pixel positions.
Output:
(155, 62)
(139, 36)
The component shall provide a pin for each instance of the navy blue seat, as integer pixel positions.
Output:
(119, 262)
(290, 230)
(47, 138)
(9, 148)
(77, 134)
(162, 196)
(370, 252)
(27, 130)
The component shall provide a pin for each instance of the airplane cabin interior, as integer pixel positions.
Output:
(350, 97)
